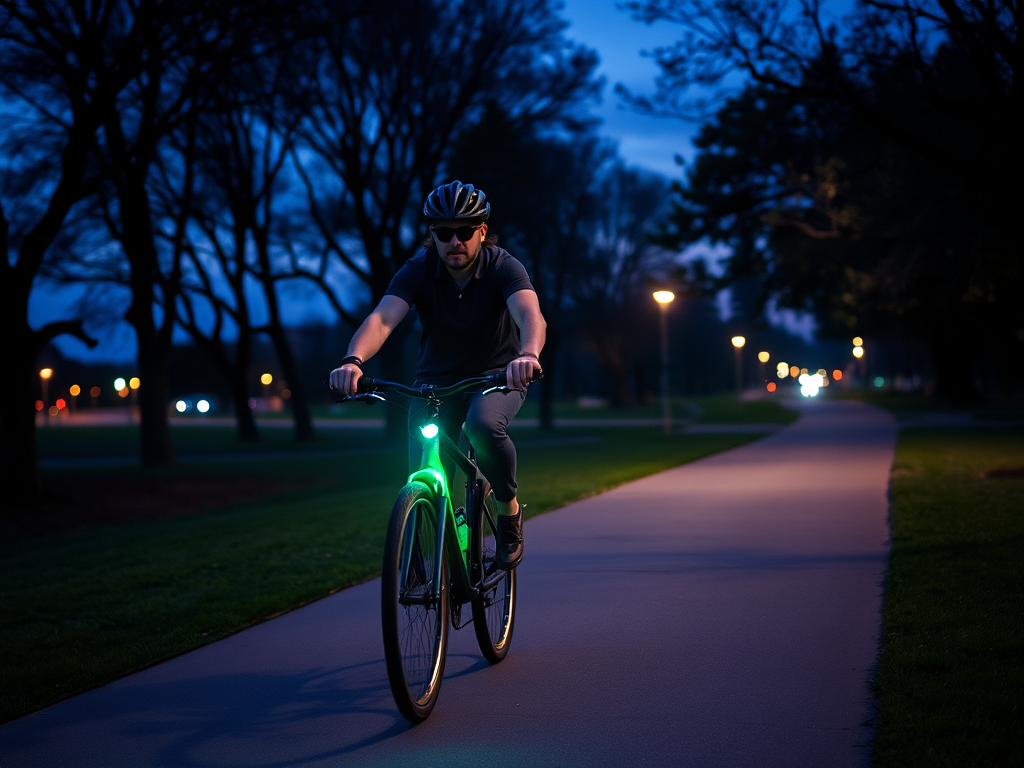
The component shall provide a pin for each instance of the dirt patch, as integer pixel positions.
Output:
(1006, 472)
(92, 504)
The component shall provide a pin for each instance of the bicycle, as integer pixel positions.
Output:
(429, 574)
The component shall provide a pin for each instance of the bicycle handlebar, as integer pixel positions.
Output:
(368, 386)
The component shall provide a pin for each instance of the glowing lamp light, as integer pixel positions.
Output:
(119, 383)
(123, 392)
(858, 352)
(858, 341)
(95, 392)
(429, 431)
(134, 383)
(879, 381)
(763, 356)
(54, 410)
(771, 386)
(739, 341)
(181, 406)
(837, 375)
(794, 371)
(664, 297)
(203, 406)
(75, 390)
(266, 379)
(46, 373)
(39, 405)
(61, 403)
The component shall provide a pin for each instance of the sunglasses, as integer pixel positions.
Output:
(444, 234)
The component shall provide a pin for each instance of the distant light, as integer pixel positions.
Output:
(858, 341)
(794, 371)
(54, 410)
(252, 403)
(822, 372)
(783, 373)
(808, 390)
(95, 391)
(266, 379)
(858, 352)
(75, 390)
(61, 403)
(39, 405)
(203, 406)
(771, 386)
(763, 356)
(739, 341)
(181, 406)
(285, 394)
(782, 365)
(134, 383)
(123, 392)
(837, 375)
(119, 384)
(804, 370)
(429, 431)
(879, 381)
(46, 373)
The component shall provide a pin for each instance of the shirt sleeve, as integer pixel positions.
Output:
(408, 281)
(514, 278)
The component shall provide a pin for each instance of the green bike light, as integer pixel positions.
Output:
(429, 431)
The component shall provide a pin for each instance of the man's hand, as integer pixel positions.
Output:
(520, 371)
(345, 379)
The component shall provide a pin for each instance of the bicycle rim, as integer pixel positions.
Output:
(493, 612)
(415, 627)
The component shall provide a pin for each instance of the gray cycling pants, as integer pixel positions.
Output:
(486, 418)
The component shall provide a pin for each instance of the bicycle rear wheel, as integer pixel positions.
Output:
(415, 624)
(494, 611)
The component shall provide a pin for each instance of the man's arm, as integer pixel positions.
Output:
(367, 341)
(525, 309)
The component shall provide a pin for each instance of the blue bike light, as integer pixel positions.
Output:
(429, 431)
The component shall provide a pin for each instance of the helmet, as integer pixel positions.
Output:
(457, 202)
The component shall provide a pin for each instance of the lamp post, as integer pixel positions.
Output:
(737, 343)
(762, 358)
(664, 298)
(858, 352)
(44, 377)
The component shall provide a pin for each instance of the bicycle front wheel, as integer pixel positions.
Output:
(494, 610)
(414, 608)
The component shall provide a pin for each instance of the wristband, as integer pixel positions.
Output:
(351, 360)
(529, 354)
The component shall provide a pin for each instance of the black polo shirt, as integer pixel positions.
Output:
(467, 332)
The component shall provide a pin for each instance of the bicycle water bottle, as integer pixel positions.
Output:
(462, 529)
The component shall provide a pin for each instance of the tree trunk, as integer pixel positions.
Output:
(22, 481)
(290, 368)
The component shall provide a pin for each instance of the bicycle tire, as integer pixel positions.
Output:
(494, 613)
(415, 633)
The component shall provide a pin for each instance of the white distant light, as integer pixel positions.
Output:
(203, 406)
(181, 406)
(119, 384)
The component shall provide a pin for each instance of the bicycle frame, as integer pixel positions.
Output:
(432, 475)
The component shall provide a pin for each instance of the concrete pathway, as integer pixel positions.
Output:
(724, 613)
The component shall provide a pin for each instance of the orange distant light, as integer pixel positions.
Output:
(39, 405)
(95, 391)
(771, 386)
(837, 375)
(124, 392)
(75, 390)
(54, 410)
(61, 403)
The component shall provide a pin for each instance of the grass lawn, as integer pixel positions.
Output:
(83, 607)
(949, 682)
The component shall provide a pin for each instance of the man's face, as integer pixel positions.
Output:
(458, 245)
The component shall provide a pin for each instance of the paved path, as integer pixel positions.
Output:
(724, 613)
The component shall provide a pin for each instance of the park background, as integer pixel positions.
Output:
(195, 195)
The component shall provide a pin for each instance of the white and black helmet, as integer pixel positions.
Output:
(457, 202)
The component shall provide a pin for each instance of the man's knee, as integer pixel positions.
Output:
(483, 430)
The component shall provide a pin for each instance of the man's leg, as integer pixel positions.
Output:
(487, 429)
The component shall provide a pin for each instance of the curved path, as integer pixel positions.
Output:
(721, 613)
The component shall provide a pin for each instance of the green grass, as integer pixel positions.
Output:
(84, 607)
(722, 408)
(949, 682)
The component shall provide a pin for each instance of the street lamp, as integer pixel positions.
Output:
(762, 358)
(664, 298)
(44, 376)
(737, 343)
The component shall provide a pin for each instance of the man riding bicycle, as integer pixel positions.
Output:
(479, 313)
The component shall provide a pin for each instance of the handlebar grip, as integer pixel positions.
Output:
(365, 385)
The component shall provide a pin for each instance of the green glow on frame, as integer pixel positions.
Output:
(429, 431)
